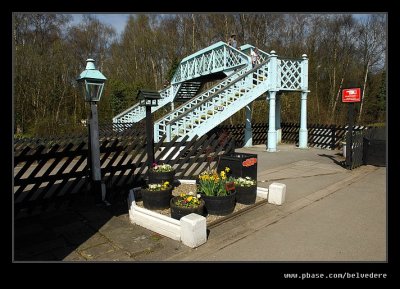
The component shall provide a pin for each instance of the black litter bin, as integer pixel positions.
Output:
(241, 165)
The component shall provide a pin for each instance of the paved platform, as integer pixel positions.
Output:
(330, 214)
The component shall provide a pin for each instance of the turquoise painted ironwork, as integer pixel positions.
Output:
(243, 84)
(136, 113)
(219, 57)
(201, 115)
(210, 108)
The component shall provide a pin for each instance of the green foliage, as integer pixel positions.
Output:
(47, 128)
(213, 184)
(172, 69)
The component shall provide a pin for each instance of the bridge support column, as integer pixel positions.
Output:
(248, 134)
(278, 119)
(303, 134)
(271, 129)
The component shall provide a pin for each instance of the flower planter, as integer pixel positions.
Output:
(156, 200)
(177, 212)
(191, 230)
(241, 165)
(246, 195)
(161, 177)
(219, 205)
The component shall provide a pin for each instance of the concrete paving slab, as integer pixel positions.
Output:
(94, 240)
(74, 256)
(75, 233)
(132, 239)
(114, 223)
(118, 255)
(92, 253)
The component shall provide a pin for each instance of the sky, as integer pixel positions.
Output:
(118, 21)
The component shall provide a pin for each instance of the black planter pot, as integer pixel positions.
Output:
(246, 195)
(161, 177)
(241, 165)
(221, 205)
(178, 212)
(156, 200)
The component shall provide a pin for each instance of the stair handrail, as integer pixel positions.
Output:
(195, 97)
(134, 106)
(217, 92)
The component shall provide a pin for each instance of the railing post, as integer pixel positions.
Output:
(278, 118)
(304, 72)
(273, 70)
(225, 57)
(248, 134)
(271, 125)
(168, 132)
(303, 133)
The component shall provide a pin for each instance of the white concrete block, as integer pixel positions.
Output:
(188, 182)
(193, 230)
(277, 192)
(262, 192)
(156, 224)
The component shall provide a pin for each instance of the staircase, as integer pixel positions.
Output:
(242, 85)
(209, 109)
(189, 76)
(187, 90)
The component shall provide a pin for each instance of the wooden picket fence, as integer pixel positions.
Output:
(321, 136)
(46, 174)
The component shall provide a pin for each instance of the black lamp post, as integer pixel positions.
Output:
(93, 82)
(149, 98)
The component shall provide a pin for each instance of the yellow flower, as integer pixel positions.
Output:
(227, 169)
(223, 175)
(189, 199)
(182, 195)
(166, 183)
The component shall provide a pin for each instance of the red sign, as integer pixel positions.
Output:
(351, 95)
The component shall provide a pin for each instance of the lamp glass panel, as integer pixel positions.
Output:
(93, 91)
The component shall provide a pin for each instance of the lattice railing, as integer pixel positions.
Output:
(210, 111)
(160, 125)
(215, 58)
(289, 74)
(137, 113)
(285, 74)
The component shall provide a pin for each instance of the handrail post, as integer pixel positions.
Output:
(168, 132)
(225, 52)
(304, 72)
(273, 70)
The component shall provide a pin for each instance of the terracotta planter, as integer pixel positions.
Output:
(156, 200)
(177, 212)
